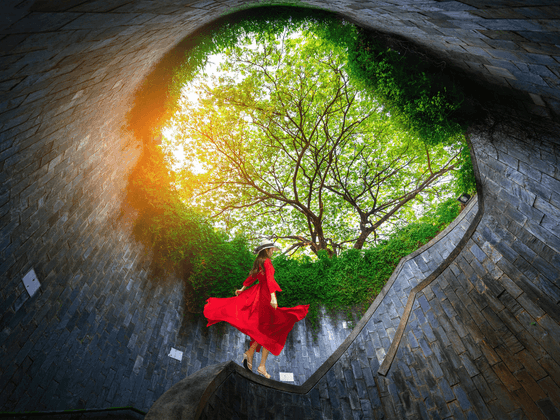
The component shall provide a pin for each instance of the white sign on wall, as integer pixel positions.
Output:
(176, 354)
(286, 376)
(31, 282)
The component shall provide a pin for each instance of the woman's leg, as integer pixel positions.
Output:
(262, 366)
(250, 353)
(252, 349)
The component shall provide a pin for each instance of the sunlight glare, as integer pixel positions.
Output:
(209, 74)
(188, 93)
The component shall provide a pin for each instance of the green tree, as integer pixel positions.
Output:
(285, 142)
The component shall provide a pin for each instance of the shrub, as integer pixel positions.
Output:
(355, 277)
(182, 239)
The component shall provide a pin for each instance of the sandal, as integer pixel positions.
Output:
(248, 364)
(263, 372)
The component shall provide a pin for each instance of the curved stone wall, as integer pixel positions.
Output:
(97, 333)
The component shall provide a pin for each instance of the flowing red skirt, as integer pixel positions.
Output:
(251, 313)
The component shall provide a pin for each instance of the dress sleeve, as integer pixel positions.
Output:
(249, 281)
(269, 270)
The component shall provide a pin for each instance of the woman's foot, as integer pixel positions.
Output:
(248, 360)
(262, 371)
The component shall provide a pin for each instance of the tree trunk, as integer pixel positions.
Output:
(359, 244)
(320, 243)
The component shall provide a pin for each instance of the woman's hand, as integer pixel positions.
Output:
(273, 301)
(239, 291)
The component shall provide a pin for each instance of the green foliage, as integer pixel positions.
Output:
(420, 100)
(180, 233)
(465, 181)
(212, 263)
(354, 278)
(293, 111)
(182, 238)
(443, 214)
(220, 269)
(228, 31)
(149, 187)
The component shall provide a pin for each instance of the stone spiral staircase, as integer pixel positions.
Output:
(481, 340)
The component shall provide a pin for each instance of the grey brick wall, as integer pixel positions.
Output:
(67, 74)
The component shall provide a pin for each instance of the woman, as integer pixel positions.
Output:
(255, 312)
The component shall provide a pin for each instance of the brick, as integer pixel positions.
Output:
(448, 308)
(529, 407)
(531, 387)
(509, 358)
(530, 364)
(548, 408)
(459, 327)
(511, 304)
(551, 388)
(483, 389)
(551, 367)
(498, 411)
(449, 373)
(462, 397)
(465, 380)
(546, 269)
(506, 377)
(547, 208)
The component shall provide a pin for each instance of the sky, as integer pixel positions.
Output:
(189, 94)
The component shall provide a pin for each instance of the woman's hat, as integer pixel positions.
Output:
(265, 245)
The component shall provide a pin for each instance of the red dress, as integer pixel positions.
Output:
(252, 314)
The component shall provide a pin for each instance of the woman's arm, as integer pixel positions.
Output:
(273, 287)
(248, 281)
(269, 271)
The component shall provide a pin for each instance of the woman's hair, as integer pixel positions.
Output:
(258, 265)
